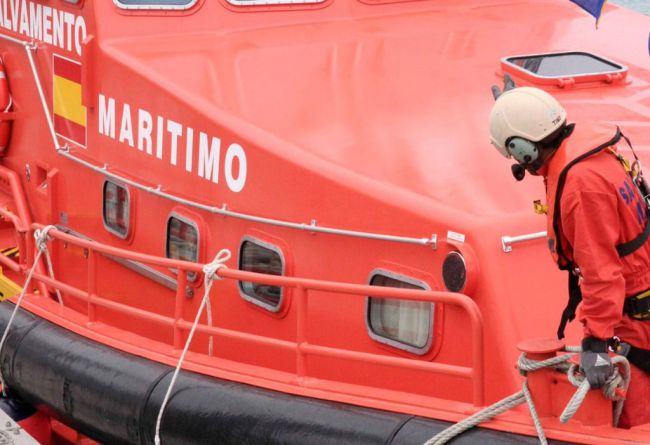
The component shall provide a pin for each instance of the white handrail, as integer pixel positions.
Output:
(508, 241)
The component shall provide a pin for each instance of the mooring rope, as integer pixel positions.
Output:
(41, 238)
(209, 275)
(560, 363)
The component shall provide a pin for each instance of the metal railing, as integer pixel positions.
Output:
(303, 292)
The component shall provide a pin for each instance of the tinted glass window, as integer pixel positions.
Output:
(182, 242)
(564, 64)
(254, 257)
(403, 322)
(116, 209)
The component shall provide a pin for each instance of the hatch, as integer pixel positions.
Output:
(564, 68)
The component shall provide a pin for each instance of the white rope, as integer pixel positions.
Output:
(560, 363)
(209, 275)
(615, 381)
(41, 239)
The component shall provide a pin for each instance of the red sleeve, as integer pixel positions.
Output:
(590, 222)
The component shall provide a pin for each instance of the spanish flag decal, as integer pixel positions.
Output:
(69, 113)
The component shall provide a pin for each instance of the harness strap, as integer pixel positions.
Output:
(638, 307)
(625, 249)
(575, 297)
(639, 358)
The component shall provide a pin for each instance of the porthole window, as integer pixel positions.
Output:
(116, 209)
(182, 241)
(261, 257)
(404, 324)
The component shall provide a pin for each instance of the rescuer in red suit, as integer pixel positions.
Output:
(597, 230)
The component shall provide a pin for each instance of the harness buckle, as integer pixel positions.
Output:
(638, 306)
(540, 209)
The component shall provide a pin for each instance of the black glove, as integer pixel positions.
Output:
(595, 362)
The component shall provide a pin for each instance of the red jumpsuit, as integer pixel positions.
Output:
(600, 208)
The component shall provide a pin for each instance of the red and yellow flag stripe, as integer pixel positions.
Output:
(70, 116)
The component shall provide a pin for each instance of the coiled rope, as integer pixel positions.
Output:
(209, 275)
(41, 237)
(611, 390)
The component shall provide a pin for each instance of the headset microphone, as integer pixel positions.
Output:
(518, 171)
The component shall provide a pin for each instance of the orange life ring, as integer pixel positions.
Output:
(5, 106)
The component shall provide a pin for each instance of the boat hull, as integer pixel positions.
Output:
(114, 397)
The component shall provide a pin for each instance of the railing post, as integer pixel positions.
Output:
(92, 284)
(301, 326)
(179, 305)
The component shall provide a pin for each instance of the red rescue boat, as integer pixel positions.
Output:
(243, 221)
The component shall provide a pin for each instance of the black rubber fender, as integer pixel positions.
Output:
(114, 398)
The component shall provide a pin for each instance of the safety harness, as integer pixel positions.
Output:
(637, 306)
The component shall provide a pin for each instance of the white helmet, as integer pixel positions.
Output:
(525, 112)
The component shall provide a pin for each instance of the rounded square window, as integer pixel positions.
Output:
(260, 257)
(116, 209)
(182, 241)
(404, 324)
(580, 66)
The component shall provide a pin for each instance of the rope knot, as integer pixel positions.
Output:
(42, 236)
(210, 269)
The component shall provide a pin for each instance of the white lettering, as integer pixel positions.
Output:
(206, 156)
(24, 20)
(14, 15)
(145, 125)
(6, 22)
(159, 137)
(209, 161)
(126, 128)
(35, 20)
(235, 151)
(57, 29)
(107, 116)
(69, 21)
(189, 145)
(47, 24)
(79, 33)
(175, 129)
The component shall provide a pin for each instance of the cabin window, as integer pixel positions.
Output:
(271, 2)
(562, 65)
(182, 241)
(261, 257)
(155, 4)
(404, 324)
(116, 209)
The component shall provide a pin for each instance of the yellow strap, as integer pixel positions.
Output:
(540, 209)
(624, 162)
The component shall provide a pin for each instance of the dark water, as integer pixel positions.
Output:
(638, 5)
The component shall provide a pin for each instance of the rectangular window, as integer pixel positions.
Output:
(403, 324)
(155, 4)
(256, 256)
(182, 241)
(116, 209)
(562, 65)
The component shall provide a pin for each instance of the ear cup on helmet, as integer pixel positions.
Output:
(523, 150)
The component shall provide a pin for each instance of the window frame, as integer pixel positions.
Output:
(392, 342)
(129, 195)
(195, 224)
(611, 76)
(277, 309)
(190, 5)
(244, 3)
